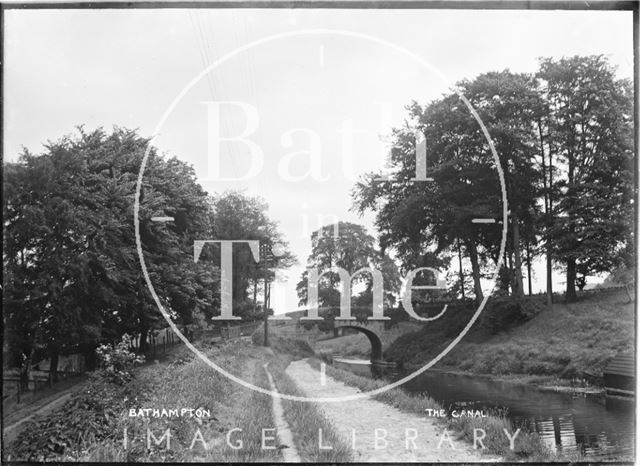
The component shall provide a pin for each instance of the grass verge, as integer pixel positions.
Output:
(569, 344)
(528, 445)
(91, 425)
(306, 420)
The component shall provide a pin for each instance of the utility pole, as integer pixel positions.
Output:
(266, 259)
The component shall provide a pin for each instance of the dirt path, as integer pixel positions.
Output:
(16, 421)
(402, 437)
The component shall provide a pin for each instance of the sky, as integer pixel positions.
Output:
(305, 98)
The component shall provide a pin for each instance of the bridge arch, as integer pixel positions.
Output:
(374, 339)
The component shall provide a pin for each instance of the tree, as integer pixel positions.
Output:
(563, 138)
(509, 104)
(352, 249)
(590, 134)
(186, 289)
(435, 217)
(241, 217)
(73, 278)
(48, 257)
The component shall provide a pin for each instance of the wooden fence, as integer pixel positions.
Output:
(38, 380)
(159, 342)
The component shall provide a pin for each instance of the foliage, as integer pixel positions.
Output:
(188, 382)
(352, 249)
(117, 361)
(424, 342)
(293, 347)
(435, 217)
(503, 313)
(72, 274)
(90, 416)
(242, 217)
(589, 131)
(90, 426)
(563, 138)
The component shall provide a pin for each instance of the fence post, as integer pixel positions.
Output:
(164, 344)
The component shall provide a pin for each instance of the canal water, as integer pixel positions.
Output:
(597, 426)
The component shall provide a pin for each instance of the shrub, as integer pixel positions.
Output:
(90, 416)
(293, 347)
(503, 313)
(116, 362)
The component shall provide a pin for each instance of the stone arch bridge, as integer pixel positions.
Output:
(296, 326)
(372, 329)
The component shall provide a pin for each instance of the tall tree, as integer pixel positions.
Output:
(242, 217)
(69, 245)
(508, 104)
(590, 135)
(420, 217)
(352, 249)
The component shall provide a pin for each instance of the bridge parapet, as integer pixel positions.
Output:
(377, 326)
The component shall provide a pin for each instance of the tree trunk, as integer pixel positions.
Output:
(461, 271)
(90, 359)
(571, 262)
(28, 362)
(255, 296)
(512, 285)
(571, 280)
(25, 370)
(548, 209)
(143, 340)
(529, 268)
(626, 288)
(475, 270)
(517, 272)
(549, 279)
(505, 265)
(53, 367)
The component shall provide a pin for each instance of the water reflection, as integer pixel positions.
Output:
(567, 422)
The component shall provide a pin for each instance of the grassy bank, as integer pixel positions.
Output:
(91, 426)
(568, 344)
(528, 445)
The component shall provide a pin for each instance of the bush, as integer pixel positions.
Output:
(502, 314)
(90, 416)
(116, 362)
(293, 347)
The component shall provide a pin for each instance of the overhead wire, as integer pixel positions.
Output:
(206, 58)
